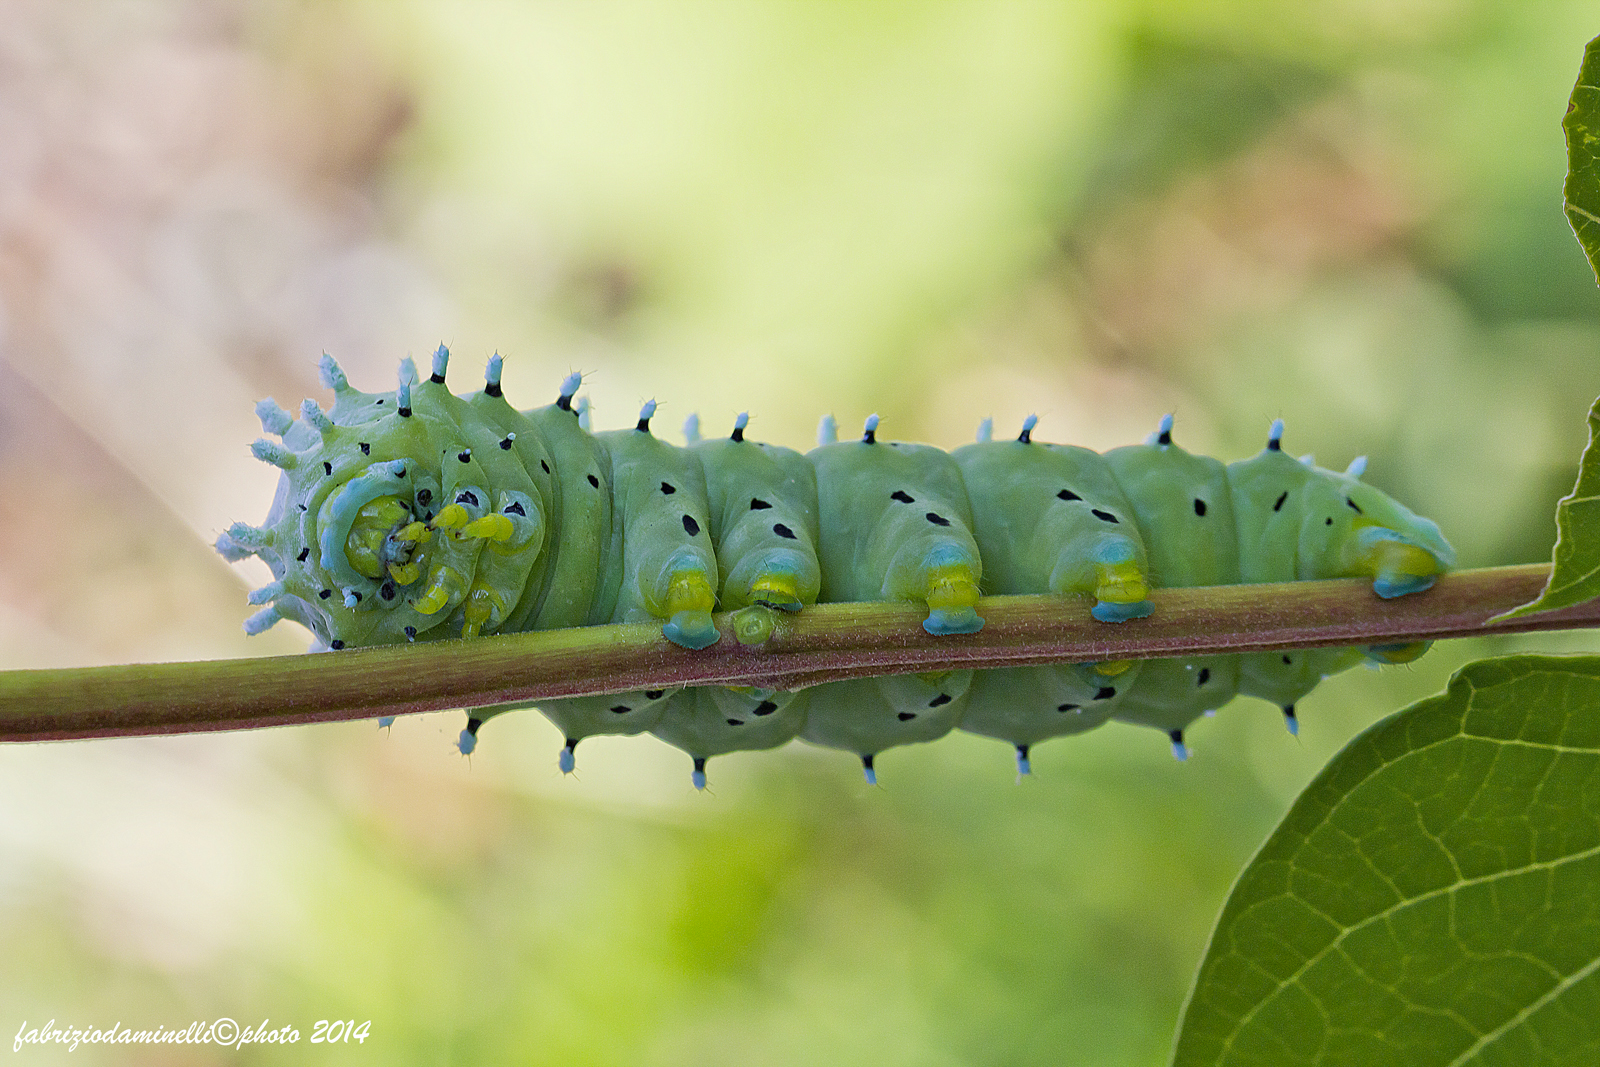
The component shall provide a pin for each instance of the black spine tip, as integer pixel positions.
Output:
(491, 389)
(564, 402)
(738, 433)
(472, 726)
(404, 413)
(866, 762)
(1026, 437)
(1176, 735)
(644, 426)
(1165, 438)
(1288, 711)
(436, 379)
(870, 437)
(1273, 445)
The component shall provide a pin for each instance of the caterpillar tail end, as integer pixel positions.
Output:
(1397, 566)
(952, 597)
(1120, 589)
(689, 604)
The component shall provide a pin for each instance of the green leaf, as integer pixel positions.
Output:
(1582, 191)
(1575, 575)
(1432, 898)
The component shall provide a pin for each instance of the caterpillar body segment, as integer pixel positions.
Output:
(1051, 518)
(416, 514)
(1026, 705)
(763, 505)
(896, 525)
(669, 562)
(1184, 510)
(712, 721)
(581, 524)
(869, 715)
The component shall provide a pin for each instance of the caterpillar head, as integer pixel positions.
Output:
(398, 515)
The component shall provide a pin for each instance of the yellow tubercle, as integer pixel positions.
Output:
(445, 584)
(1120, 583)
(494, 527)
(452, 517)
(1113, 667)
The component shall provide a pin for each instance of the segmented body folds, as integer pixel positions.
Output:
(417, 514)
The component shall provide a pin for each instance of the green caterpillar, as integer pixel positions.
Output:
(417, 514)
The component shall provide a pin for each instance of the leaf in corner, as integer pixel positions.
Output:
(1582, 190)
(1432, 898)
(1575, 576)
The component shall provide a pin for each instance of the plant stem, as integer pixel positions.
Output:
(821, 643)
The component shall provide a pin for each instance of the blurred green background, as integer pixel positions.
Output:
(1346, 214)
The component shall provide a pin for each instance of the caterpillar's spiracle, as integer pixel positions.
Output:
(417, 514)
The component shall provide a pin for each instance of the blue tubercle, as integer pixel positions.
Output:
(312, 415)
(698, 775)
(385, 721)
(274, 419)
(869, 770)
(467, 742)
(1180, 751)
(1024, 766)
(262, 621)
(568, 760)
(491, 375)
(402, 392)
(332, 374)
(1291, 722)
(441, 361)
